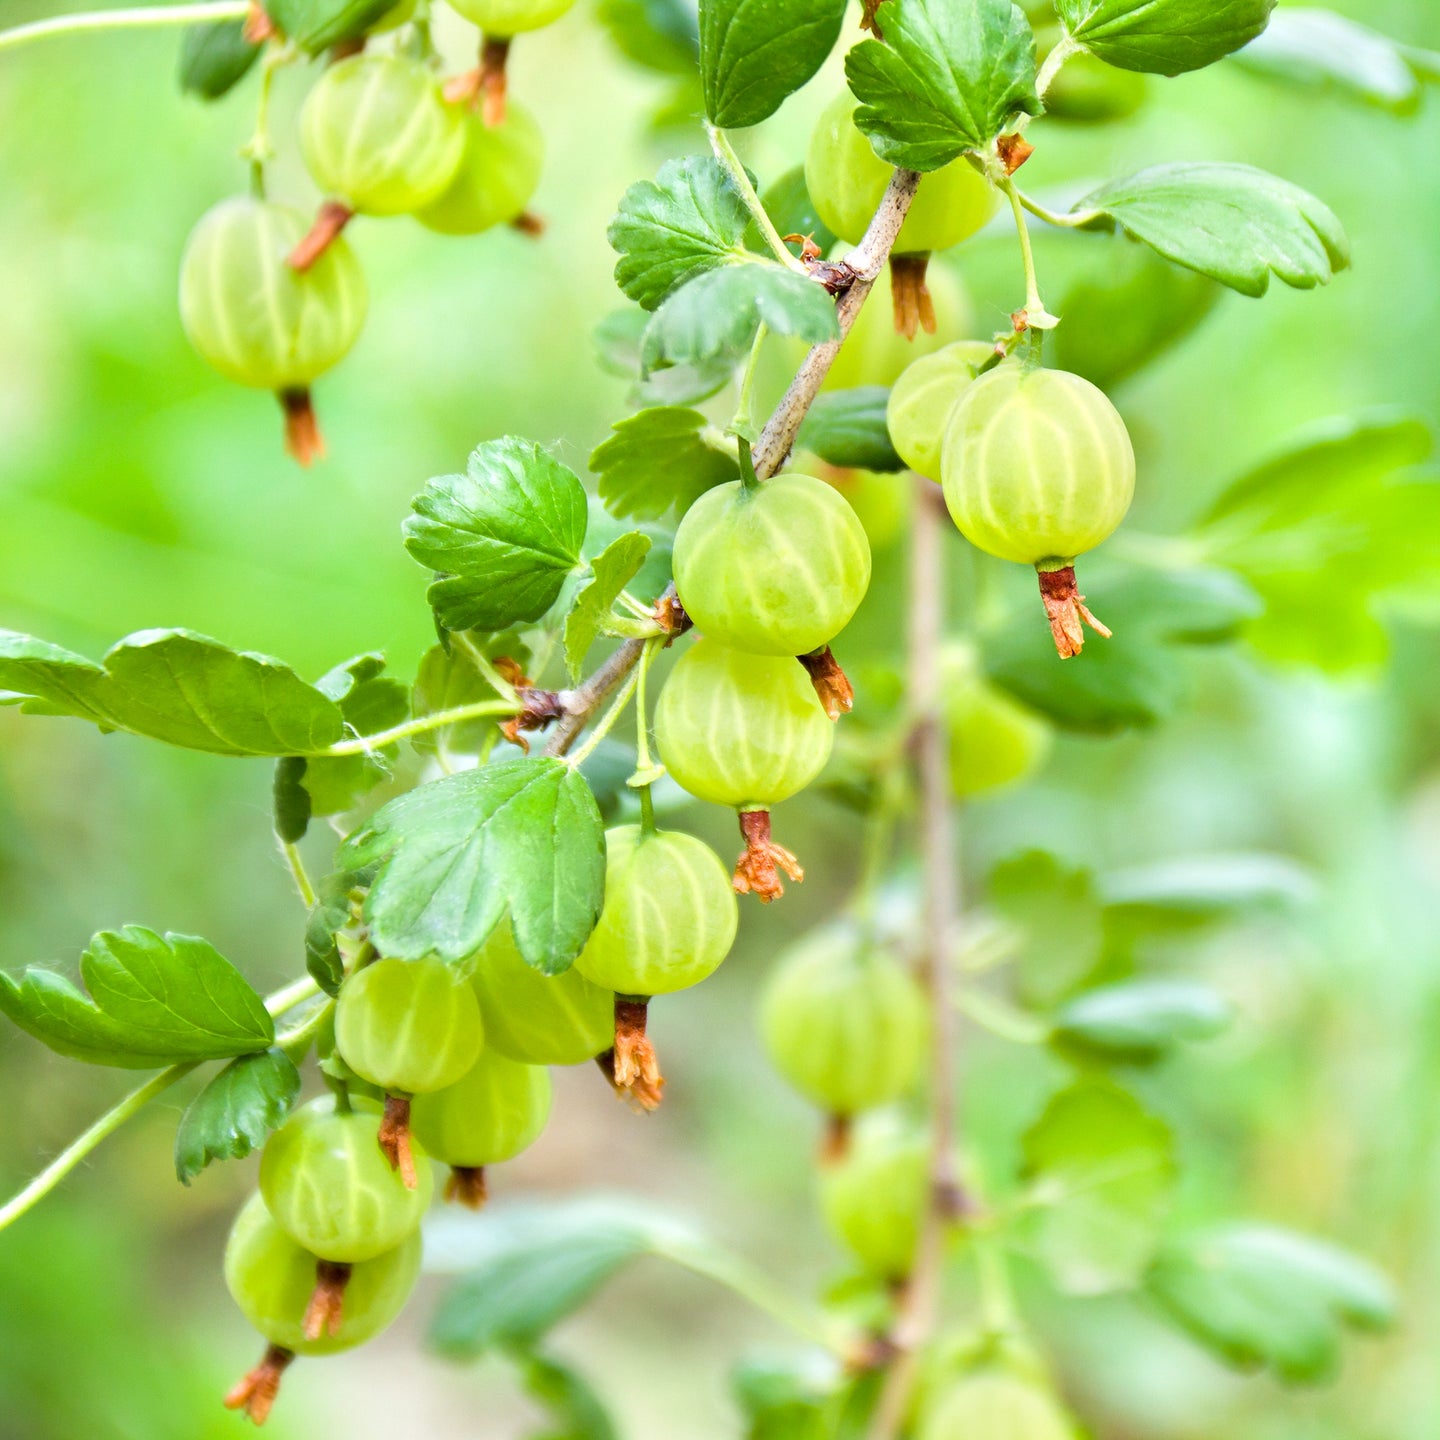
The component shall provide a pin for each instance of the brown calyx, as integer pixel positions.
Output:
(835, 1143)
(394, 1138)
(529, 224)
(868, 20)
(831, 683)
(632, 1066)
(914, 309)
(327, 1301)
(484, 86)
(330, 219)
(537, 709)
(256, 1391)
(258, 26)
(670, 615)
(757, 871)
(1065, 609)
(303, 441)
(466, 1186)
(1014, 151)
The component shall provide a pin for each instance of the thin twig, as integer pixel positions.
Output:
(583, 701)
(140, 18)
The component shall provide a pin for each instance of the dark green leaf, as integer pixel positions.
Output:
(1140, 1020)
(687, 220)
(948, 78)
(1056, 910)
(717, 314)
(330, 914)
(662, 459)
(371, 702)
(848, 428)
(291, 800)
(1265, 1298)
(575, 1411)
(661, 35)
(504, 536)
(454, 856)
(214, 58)
(611, 571)
(1164, 37)
(234, 1113)
(788, 204)
(175, 686)
(754, 54)
(1234, 223)
(153, 1001)
(316, 25)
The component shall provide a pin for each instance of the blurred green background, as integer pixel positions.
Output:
(138, 489)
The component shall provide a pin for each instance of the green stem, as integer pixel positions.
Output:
(643, 763)
(997, 1295)
(744, 422)
(257, 149)
(725, 154)
(301, 875)
(607, 721)
(483, 663)
(140, 18)
(365, 744)
(1065, 49)
(1034, 306)
(1077, 220)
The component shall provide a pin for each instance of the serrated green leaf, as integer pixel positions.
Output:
(661, 35)
(611, 571)
(575, 1411)
(175, 686)
(215, 58)
(1265, 1298)
(316, 25)
(754, 54)
(1057, 913)
(661, 459)
(717, 314)
(371, 702)
(848, 428)
(1164, 37)
(1140, 1020)
(948, 78)
(234, 1113)
(503, 537)
(452, 857)
(653, 577)
(1234, 223)
(686, 221)
(1102, 1170)
(153, 1000)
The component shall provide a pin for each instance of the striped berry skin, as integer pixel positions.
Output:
(741, 730)
(844, 1023)
(539, 1019)
(924, 397)
(995, 1403)
(408, 1026)
(252, 317)
(776, 568)
(511, 17)
(496, 1110)
(1037, 465)
(272, 1279)
(847, 179)
(376, 134)
(496, 178)
(330, 1189)
(669, 917)
(874, 1197)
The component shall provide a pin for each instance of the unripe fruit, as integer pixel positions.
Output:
(496, 1110)
(741, 730)
(1037, 465)
(497, 176)
(873, 1198)
(995, 1405)
(847, 181)
(924, 397)
(252, 317)
(511, 17)
(994, 740)
(330, 1188)
(669, 917)
(376, 134)
(272, 1280)
(540, 1019)
(776, 568)
(408, 1026)
(843, 1022)
(876, 353)
(882, 502)
(1087, 90)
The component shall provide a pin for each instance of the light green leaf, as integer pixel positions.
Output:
(575, 1411)
(1141, 1020)
(754, 54)
(447, 680)
(452, 857)
(948, 78)
(661, 35)
(371, 702)
(1102, 1170)
(1164, 37)
(611, 571)
(235, 1112)
(504, 536)
(618, 339)
(686, 221)
(848, 428)
(175, 686)
(1057, 914)
(1234, 223)
(662, 459)
(1196, 889)
(1265, 1298)
(154, 1000)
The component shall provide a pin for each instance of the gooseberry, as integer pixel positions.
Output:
(922, 399)
(496, 178)
(994, 740)
(873, 1197)
(997, 1405)
(511, 17)
(876, 353)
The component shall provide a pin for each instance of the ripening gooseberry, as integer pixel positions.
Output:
(408, 1026)
(496, 178)
(511, 17)
(882, 502)
(843, 1022)
(1086, 90)
(922, 399)
(994, 1403)
(494, 1111)
(873, 1197)
(772, 568)
(537, 1018)
(994, 740)
(876, 353)
(331, 1189)
(1037, 467)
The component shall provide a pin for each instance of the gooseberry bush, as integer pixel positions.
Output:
(511, 888)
